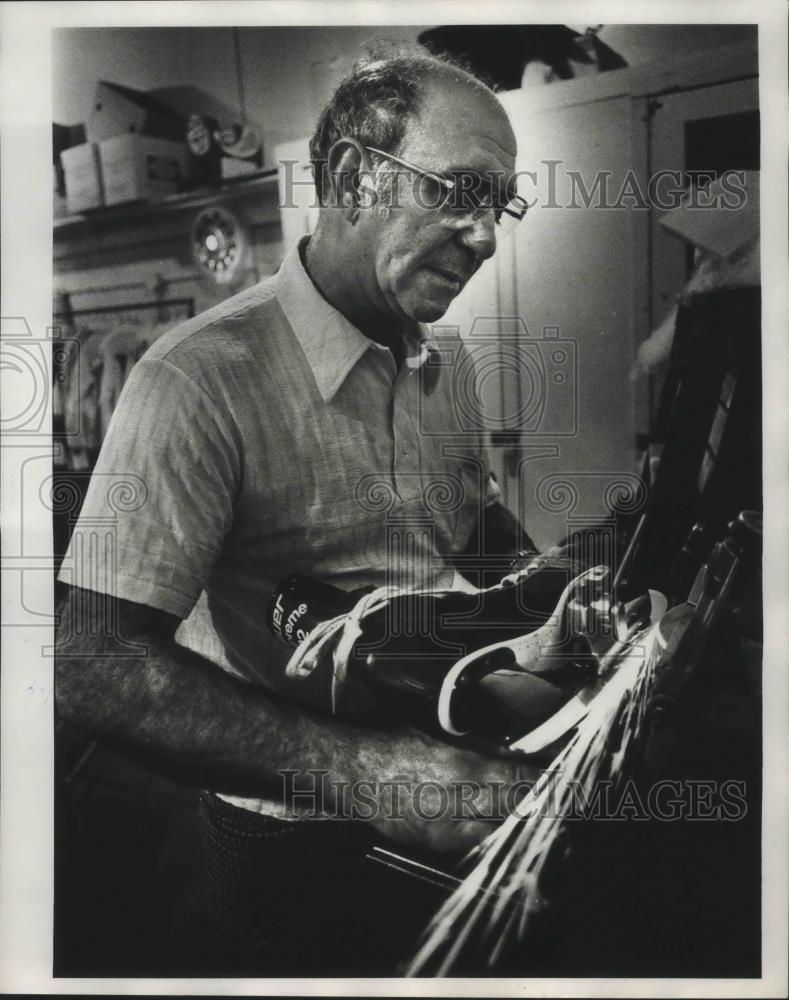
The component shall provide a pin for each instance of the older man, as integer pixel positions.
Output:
(256, 436)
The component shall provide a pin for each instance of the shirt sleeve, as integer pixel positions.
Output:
(160, 500)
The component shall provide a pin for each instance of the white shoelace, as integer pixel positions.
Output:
(343, 630)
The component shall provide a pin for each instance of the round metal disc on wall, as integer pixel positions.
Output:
(218, 245)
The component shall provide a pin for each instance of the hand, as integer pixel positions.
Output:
(438, 797)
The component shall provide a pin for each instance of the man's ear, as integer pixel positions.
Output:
(348, 189)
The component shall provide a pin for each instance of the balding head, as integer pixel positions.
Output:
(378, 100)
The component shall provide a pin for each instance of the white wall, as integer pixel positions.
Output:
(135, 57)
(639, 43)
(280, 65)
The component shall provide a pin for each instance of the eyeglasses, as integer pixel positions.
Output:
(465, 197)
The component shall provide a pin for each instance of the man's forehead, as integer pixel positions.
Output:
(461, 126)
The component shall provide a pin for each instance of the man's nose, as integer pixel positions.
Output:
(480, 236)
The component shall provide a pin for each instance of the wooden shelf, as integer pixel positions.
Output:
(263, 183)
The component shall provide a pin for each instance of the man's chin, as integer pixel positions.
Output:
(428, 310)
(429, 313)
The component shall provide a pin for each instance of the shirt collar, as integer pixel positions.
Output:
(331, 343)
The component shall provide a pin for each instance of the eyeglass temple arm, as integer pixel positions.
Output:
(445, 181)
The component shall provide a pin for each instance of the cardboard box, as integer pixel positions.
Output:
(64, 137)
(120, 110)
(82, 171)
(141, 168)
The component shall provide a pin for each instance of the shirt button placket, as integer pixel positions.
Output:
(401, 429)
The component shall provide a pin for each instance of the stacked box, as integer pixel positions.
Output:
(141, 167)
(82, 170)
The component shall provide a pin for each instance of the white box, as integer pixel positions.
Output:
(141, 167)
(83, 177)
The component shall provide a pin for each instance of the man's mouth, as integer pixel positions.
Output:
(452, 279)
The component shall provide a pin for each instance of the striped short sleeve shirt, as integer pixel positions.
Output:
(269, 436)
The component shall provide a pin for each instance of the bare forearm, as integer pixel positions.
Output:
(188, 718)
